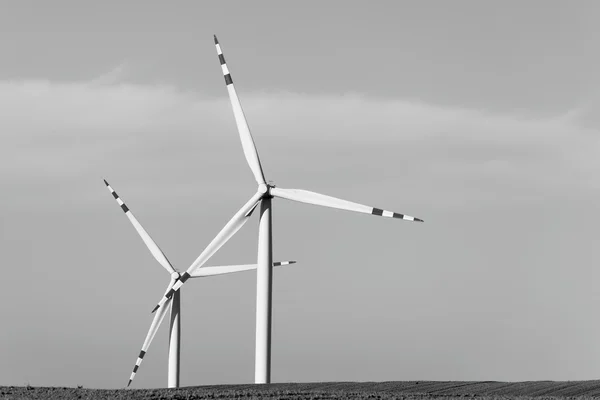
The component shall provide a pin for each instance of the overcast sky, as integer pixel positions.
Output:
(479, 117)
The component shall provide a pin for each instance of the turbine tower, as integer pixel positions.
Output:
(264, 195)
(175, 300)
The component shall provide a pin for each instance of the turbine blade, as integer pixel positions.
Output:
(228, 269)
(234, 225)
(240, 120)
(158, 318)
(152, 246)
(304, 196)
(282, 263)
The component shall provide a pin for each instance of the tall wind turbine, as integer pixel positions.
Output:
(175, 300)
(263, 196)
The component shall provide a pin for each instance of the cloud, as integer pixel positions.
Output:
(59, 130)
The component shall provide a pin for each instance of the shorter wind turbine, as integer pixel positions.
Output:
(175, 300)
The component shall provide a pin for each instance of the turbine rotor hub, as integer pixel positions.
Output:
(263, 188)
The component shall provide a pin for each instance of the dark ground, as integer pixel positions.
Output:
(330, 390)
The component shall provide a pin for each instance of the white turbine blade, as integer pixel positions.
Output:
(152, 246)
(234, 225)
(304, 196)
(228, 269)
(221, 270)
(240, 120)
(158, 318)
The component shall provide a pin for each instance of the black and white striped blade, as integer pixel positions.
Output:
(228, 269)
(152, 246)
(230, 229)
(158, 318)
(283, 263)
(304, 196)
(240, 120)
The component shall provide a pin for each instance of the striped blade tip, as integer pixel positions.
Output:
(419, 220)
(106, 183)
(216, 41)
(155, 308)
(292, 262)
(129, 383)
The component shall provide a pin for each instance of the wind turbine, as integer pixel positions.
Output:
(264, 194)
(175, 300)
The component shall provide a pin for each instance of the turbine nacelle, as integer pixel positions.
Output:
(265, 190)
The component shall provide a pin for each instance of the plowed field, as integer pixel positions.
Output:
(329, 390)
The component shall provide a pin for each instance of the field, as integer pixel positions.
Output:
(488, 390)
